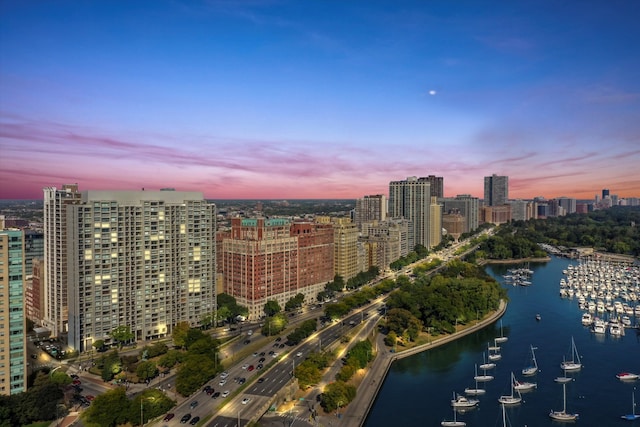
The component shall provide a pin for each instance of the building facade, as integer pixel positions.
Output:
(435, 222)
(275, 259)
(467, 206)
(370, 208)
(345, 237)
(13, 348)
(55, 314)
(496, 190)
(384, 242)
(411, 199)
(140, 259)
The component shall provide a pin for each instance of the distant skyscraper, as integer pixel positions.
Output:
(568, 203)
(437, 185)
(54, 309)
(496, 190)
(411, 199)
(468, 207)
(605, 193)
(13, 348)
(370, 208)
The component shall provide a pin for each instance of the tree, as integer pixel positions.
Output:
(275, 324)
(180, 334)
(271, 308)
(122, 334)
(108, 409)
(146, 370)
(294, 302)
(98, 344)
(193, 372)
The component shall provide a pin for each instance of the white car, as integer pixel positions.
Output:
(275, 354)
(224, 375)
(245, 366)
(299, 354)
(225, 393)
(245, 400)
(222, 382)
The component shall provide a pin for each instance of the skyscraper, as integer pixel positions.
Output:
(13, 349)
(139, 259)
(54, 309)
(411, 199)
(496, 190)
(468, 207)
(370, 208)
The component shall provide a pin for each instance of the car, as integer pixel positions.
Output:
(260, 366)
(77, 382)
(271, 353)
(262, 354)
(194, 421)
(185, 418)
(224, 375)
(251, 368)
(74, 376)
(255, 354)
(206, 388)
(262, 359)
(34, 356)
(193, 404)
(225, 393)
(247, 341)
(215, 395)
(299, 354)
(275, 354)
(210, 391)
(168, 417)
(245, 400)
(222, 382)
(281, 346)
(245, 366)
(249, 333)
(260, 380)
(278, 339)
(242, 380)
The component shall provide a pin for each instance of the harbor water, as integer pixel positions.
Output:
(418, 389)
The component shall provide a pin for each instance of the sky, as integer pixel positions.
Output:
(293, 99)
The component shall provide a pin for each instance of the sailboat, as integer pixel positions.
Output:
(485, 366)
(632, 416)
(484, 377)
(523, 385)
(533, 368)
(574, 364)
(475, 391)
(563, 415)
(455, 422)
(563, 379)
(501, 338)
(494, 352)
(511, 399)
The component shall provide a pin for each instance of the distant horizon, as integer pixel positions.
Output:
(320, 100)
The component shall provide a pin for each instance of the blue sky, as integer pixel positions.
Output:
(319, 99)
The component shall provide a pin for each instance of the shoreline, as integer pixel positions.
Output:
(513, 260)
(358, 410)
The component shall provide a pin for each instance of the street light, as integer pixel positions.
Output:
(142, 399)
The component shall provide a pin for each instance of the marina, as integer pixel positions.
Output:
(594, 391)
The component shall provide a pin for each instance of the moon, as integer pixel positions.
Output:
(432, 92)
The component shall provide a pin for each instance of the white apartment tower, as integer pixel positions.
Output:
(142, 259)
(411, 199)
(54, 305)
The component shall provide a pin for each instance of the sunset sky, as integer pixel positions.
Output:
(289, 99)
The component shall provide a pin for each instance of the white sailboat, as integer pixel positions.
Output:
(484, 377)
(533, 368)
(632, 416)
(523, 385)
(574, 364)
(485, 366)
(455, 422)
(563, 415)
(501, 338)
(493, 352)
(511, 399)
(475, 391)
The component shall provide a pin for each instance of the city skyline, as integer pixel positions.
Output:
(310, 100)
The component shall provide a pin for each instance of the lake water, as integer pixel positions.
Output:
(418, 389)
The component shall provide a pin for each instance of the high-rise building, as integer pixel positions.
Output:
(568, 203)
(274, 259)
(411, 199)
(345, 236)
(54, 310)
(13, 348)
(370, 208)
(34, 292)
(468, 207)
(437, 185)
(496, 190)
(605, 193)
(139, 259)
(435, 222)
(523, 210)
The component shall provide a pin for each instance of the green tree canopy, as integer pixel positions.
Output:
(271, 308)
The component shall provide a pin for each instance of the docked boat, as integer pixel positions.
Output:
(460, 401)
(599, 326)
(455, 422)
(587, 319)
(632, 416)
(563, 415)
(532, 369)
(563, 379)
(523, 385)
(511, 399)
(501, 338)
(486, 365)
(627, 376)
(494, 353)
(475, 391)
(574, 364)
(538, 317)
